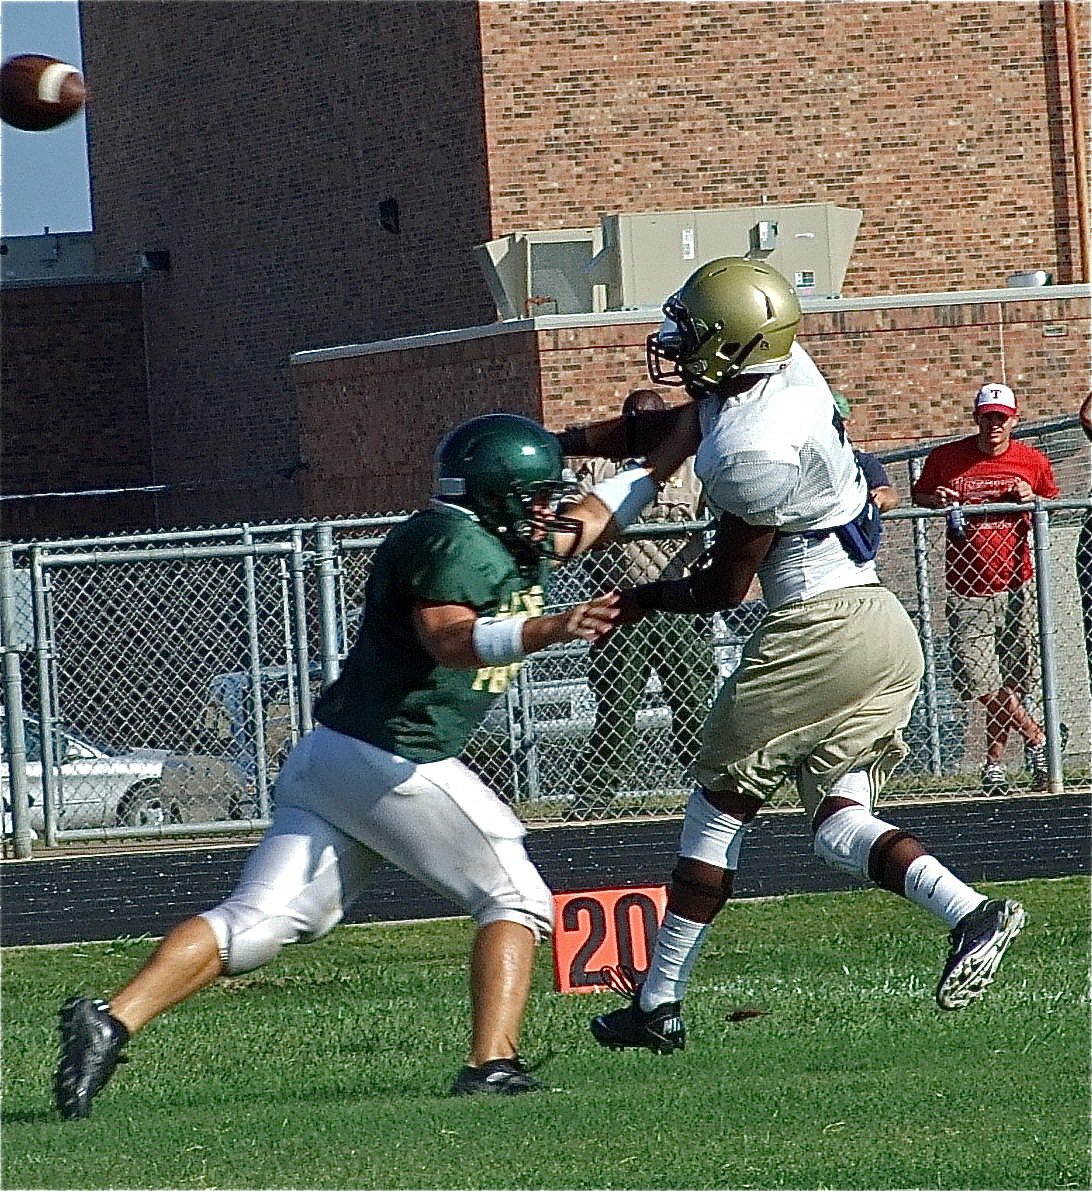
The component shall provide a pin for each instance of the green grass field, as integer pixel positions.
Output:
(328, 1068)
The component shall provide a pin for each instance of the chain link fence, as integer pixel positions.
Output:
(153, 684)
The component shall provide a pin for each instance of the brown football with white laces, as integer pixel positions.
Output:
(38, 93)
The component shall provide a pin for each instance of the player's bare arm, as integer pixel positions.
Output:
(614, 504)
(734, 558)
(457, 637)
(625, 436)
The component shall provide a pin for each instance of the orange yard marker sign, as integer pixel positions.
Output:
(599, 928)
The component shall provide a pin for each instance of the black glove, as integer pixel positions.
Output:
(573, 441)
(629, 610)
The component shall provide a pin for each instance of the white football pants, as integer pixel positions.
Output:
(340, 806)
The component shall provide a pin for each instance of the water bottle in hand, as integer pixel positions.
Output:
(957, 522)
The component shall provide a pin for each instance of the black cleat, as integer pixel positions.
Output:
(659, 1030)
(91, 1045)
(978, 943)
(498, 1077)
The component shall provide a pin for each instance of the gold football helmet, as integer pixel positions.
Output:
(732, 317)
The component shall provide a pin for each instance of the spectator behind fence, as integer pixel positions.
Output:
(880, 488)
(1084, 552)
(679, 649)
(988, 570)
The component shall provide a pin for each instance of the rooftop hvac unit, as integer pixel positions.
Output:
(543, 272)
(646, 257)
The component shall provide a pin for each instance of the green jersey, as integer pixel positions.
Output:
(391, 692)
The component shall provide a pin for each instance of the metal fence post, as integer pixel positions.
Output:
(13, 710)
(299, 608)
(1040, 528)
(327, 603)
(925, 627)
(527, 756)
(43, 653)
(254, 663)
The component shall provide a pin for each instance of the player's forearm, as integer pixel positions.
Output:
(738, 550)
(694, 594)
(623, 437)
(586, 621)
(540, 632)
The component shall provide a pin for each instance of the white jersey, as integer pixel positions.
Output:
(773, 456)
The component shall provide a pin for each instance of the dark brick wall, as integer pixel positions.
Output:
(75, 408)
(254, 142)
(369, 424)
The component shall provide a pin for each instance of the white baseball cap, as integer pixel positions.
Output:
(995, 398)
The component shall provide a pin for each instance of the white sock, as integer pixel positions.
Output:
(930, 885)
(677, 946)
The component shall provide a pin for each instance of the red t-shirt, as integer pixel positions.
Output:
(996, 554)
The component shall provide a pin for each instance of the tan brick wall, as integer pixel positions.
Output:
(910, 373)
(254, 141)
(947, 123)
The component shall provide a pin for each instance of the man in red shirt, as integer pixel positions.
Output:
(988, 569)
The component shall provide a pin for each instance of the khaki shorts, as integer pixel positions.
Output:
(991, 641)
(824, 686)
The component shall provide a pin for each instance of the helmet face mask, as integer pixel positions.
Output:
(732, 318)
(506, 470)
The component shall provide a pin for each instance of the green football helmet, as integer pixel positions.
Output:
(506, 470)
(732, 317)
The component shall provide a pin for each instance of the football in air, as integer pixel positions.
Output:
(38, 93)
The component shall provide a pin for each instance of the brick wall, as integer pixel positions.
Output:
(254, 142)
(946, 123)
(910, 372)
(369, 424)
(75, 406)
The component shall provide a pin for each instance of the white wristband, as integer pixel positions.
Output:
(626, 494)
(498, 640)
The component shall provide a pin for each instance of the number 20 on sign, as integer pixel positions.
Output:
(601, 928)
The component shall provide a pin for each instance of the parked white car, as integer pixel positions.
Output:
(98, 786)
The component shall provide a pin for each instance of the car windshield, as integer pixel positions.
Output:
(33, 739)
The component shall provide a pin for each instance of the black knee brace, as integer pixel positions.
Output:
(710, 896)
(879, 856)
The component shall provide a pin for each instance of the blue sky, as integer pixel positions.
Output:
(43, 175)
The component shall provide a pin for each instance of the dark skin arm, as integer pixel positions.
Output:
(624, 437)
(737, 552)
